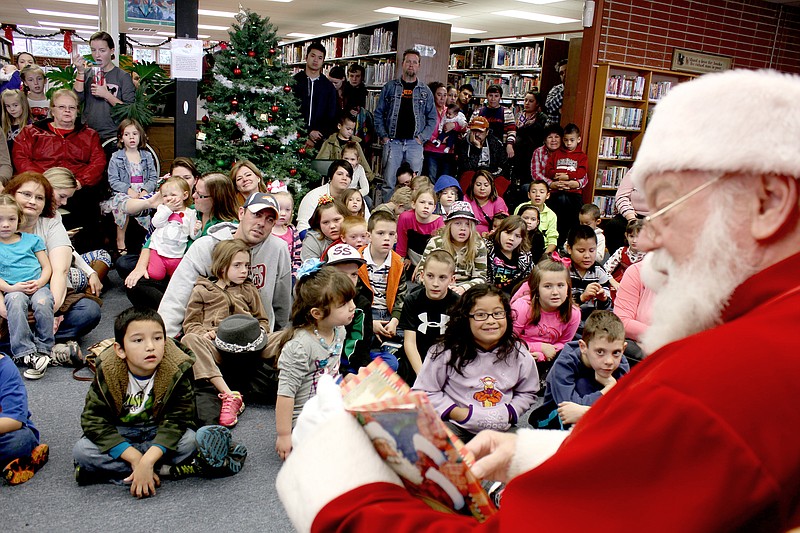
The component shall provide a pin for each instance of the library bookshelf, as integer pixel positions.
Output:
(625, 97)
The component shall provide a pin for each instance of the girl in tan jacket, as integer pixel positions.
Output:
(227, 292)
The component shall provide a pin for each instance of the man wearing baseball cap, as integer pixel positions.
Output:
(270, 267)
(480, 149)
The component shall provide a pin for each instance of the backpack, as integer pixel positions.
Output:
(90, 361)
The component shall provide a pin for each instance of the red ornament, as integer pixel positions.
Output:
(271, 50)
(209, 98)
(254, 137)
(275, 109)
(251, 53)
(287, 89)
(267, 148)
(292, 171)
(205, 119)
(269, 118)
(234, 103)
(237, 71)
(301, 151)
(223, 45)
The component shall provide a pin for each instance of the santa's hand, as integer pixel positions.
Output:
(327, 403)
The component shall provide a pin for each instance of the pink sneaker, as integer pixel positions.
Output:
(232, 405)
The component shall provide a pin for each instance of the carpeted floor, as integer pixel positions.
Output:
(52, 500)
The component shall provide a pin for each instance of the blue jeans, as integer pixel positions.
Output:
(23, 340)
(16, 444)
(384, 314)
(395, 153)
(88, 456)
(437, 164)
(81, 318)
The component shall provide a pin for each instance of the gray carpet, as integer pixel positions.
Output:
(53, 501)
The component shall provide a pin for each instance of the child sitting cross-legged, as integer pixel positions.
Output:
(590, 283)
(415, 227)
(585, 370)
(536, 240)
(227, 292)
(138, 420)
(425, 311)
(480, 376)
(508, 257)
(547, 222)
(312, 345)
(21, 453)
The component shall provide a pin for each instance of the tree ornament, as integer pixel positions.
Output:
(237, 71)
(287, 89)
(251, 53)
(302, 151)
(254, 137)
(209, 98)
(275, 109)
(205, 119)
(223, 45)
(221, 163)
(270, 118)
(271, 51)
(283, 148)
(235, 103)
(267, 147)
(292, 171)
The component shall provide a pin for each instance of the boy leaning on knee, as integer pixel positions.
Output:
(139, 418)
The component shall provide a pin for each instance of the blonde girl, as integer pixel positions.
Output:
(284, 229)
(325, 227)
(415, 227)
(24, 277)
(35, 85)
(174, 224)
(16, 114)
(226, 292)
(312, 345)
(459, 239)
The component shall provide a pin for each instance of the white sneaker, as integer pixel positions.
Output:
(38, 365)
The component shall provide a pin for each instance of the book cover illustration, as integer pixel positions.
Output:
(411, 438)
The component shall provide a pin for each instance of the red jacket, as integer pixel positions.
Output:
(38, 148)
(700, 437)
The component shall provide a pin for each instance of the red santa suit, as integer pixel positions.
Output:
(702, 436)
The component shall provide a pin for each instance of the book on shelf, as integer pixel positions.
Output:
(659, 90)
(381, 41)
(513, 86)
(477, 57)
(380, 72)
(525, 56)
(622, 117)
(457, 61)
(617, 147)
(631, 87)
(610, 178)
(606, 205)
(412, 439)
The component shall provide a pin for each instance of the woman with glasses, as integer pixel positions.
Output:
(63, 141)
(480, 376)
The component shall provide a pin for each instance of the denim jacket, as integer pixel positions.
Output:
(389, 107)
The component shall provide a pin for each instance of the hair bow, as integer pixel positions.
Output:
(566, 261)
(277, 186)
(309, 266)
(325, 199)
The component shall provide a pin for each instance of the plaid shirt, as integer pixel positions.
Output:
(552, 105)
(538, 164)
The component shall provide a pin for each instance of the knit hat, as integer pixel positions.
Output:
(446, 181)
(259, 201)
(240, 334)
(343, 253)
(736, 121)
(461, 210)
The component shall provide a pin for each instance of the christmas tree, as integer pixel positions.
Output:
(252, 111)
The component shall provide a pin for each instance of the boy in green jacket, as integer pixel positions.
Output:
(139, 418)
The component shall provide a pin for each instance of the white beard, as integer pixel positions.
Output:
(691, 297)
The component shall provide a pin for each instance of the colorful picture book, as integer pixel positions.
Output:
(408, 434)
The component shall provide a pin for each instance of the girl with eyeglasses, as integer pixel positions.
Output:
(480, 375)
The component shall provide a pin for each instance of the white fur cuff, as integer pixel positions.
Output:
(534, 446)
(336, 459)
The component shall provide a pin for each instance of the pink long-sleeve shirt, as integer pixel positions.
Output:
(634, 303)
(550, 329)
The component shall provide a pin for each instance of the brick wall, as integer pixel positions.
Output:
(756, 34)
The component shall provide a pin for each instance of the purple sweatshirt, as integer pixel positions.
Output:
(550, 328)
(496, 393)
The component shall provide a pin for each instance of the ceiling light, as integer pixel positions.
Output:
(64, 24)
(201, 36)
(465, 31)
(429, 15)
(62, 14)
(540, 2)
(505, 39)
(138, 36)
(300, 35)
(343, 25)
(537, 17)
(87, 2)
(166, 33)
(210, 27)
(212, 13)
